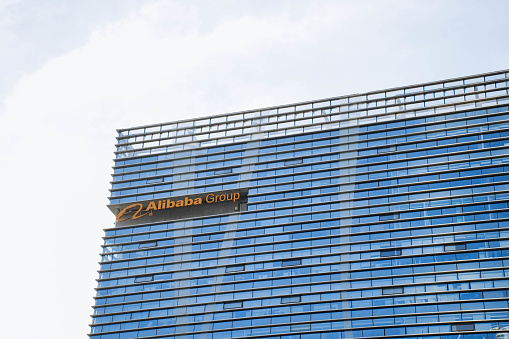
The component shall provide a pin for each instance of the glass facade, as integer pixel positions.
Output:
(378, 215)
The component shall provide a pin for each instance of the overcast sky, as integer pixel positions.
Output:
(72, 71)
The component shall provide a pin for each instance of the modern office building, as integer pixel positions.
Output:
(375, 215)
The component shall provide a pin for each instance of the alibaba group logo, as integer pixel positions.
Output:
(136, 210)
(137, 214)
